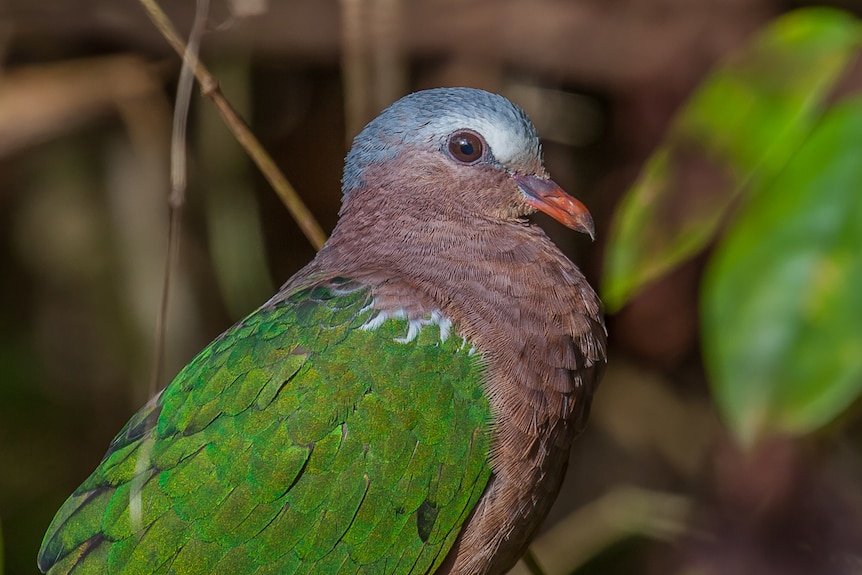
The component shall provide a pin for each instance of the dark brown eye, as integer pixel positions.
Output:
(466, 147)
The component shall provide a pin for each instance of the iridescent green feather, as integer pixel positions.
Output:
(297, 442)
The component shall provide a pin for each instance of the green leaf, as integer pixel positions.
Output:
(738, 130)
(782, 305)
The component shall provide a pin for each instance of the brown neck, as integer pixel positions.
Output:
(522, 304)
(503, 282)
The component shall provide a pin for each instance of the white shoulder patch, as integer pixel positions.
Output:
(414, 326)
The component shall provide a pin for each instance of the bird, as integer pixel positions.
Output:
(406, 402)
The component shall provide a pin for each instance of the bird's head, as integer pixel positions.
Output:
(458, 150)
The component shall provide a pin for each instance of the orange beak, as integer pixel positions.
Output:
(545, 195)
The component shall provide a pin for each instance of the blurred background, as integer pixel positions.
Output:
(668, 477)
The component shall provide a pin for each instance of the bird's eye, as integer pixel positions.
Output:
(466, 147)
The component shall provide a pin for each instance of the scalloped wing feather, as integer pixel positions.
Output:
(297, 442)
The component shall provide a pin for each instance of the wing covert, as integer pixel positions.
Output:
(299, 441)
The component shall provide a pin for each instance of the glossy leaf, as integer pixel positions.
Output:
(739, 128)
(782, 307)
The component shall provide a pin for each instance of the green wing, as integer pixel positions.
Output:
(305, 439)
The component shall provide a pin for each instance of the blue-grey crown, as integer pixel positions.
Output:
(426, 119)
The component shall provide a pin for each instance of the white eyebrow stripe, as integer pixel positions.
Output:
(506, 145)
(509, 146)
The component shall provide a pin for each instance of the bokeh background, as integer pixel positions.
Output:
(662, 481)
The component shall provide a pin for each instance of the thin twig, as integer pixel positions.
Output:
(177, 197)
(210, 89)
(388, 58)
(532, 563)
(355, 71)
(176, 201)
(617, 515)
